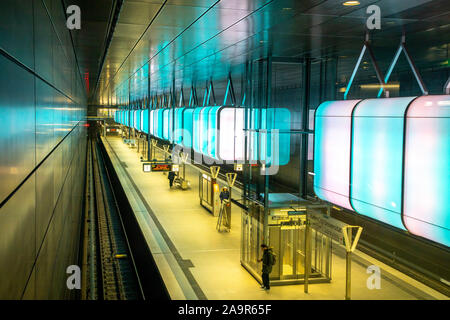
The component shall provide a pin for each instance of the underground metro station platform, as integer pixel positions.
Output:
(182, 150)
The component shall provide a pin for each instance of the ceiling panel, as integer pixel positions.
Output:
(199, 39)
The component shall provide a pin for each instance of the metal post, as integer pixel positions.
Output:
(348, 265)
(305, 120)
(348, 280)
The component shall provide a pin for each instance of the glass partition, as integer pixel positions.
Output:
(158, 123)
(276, 147)
(137, 120)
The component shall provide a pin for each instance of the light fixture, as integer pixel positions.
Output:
(351, 3)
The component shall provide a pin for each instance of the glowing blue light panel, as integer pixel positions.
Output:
(203, 138)
(188, 127)
(144, 121)
(212, 132)
(178, 129)
(253, 123)
(196, 129)
(167, 124)
(399, 169)
(426, 208)
(377, 159)
(137, 120)
(332, 136)
(231, 134)
(278, 123)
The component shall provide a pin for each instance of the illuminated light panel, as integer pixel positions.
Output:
(426, 210)
(351, 3)
(332, 151)
(167, 124)
(131, 122)
(151, 122)
(178, 130)
(203, 137)
(212, 132)
(137, 120)
(231, 134)
(196, 129)
(377, 159)
(158, 124)
(188, 127)
(253, 123)
(269, 145)
(144, 118)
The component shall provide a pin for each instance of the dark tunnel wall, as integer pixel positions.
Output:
(42, 150)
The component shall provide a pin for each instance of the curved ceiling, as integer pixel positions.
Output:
(192, 40)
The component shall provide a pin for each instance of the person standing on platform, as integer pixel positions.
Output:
(224, 195)
(171, 177)
(268, 260)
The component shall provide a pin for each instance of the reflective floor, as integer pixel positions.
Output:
(197, 262)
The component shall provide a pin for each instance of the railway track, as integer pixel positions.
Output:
(114, 272)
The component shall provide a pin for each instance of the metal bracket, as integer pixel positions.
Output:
(365, 47)
(229, 90)
(211, 91)
(181, 102)
(166, 148)
(193, 97)
(447, 86)
(402, 47)
(184, 156)
(205, 95)
(214, 171)
(347, 231)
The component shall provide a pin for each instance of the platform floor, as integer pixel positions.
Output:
(197, 262)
